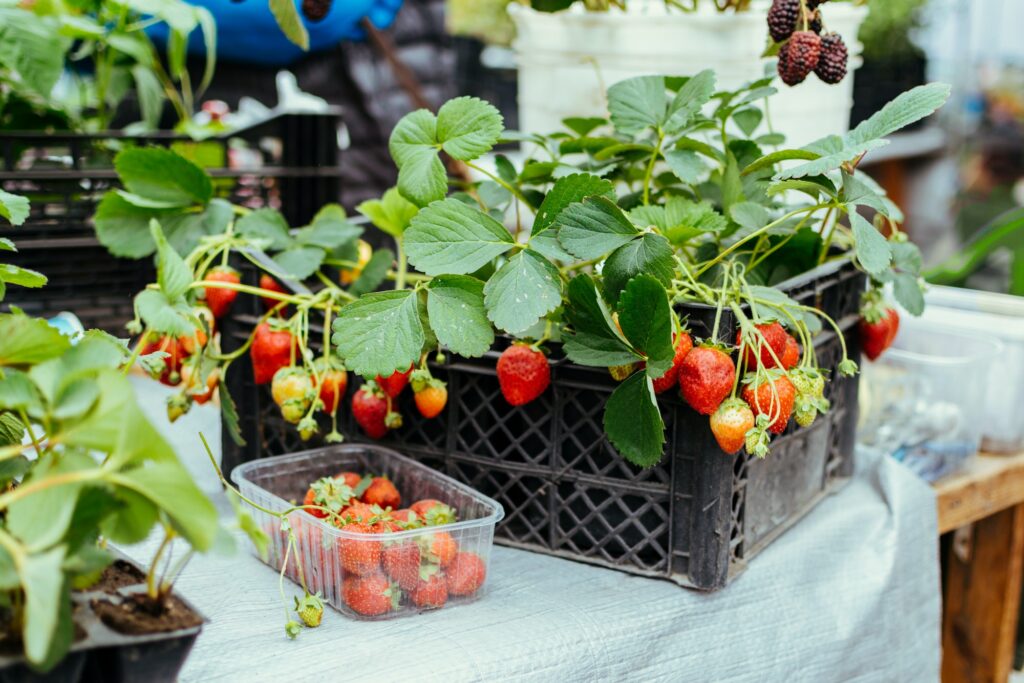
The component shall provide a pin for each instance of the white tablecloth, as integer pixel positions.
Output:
(849, 594)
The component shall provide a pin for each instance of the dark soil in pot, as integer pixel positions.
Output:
(141, 615)
(118, 575)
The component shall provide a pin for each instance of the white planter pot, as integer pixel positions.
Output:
(568, 59)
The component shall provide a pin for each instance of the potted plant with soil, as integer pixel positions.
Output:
(81, 468)
(569, 52)
(613, 319)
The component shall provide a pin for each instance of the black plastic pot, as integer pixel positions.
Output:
(107, 656)
(290, 161)
(696, 518)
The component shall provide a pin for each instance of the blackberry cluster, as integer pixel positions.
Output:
(799, 57)
(782, 18)
(832, 63)
(316, 10)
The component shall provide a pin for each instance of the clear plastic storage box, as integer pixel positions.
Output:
(995, 316)
(923, 400)
(375, 575)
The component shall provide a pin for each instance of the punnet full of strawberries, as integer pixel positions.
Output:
(589, 249)
(383, 571)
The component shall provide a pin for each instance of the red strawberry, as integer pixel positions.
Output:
(393, 384)
(706, 377)
(217, 298)
(776, 403)
(430, 593)
(358, 555)
(730, 424)
(271, 285)
(407, 518)
(333, 383)
(774, 339)
(402, 564)
(371, 595)
(431, 400)
(330, 493)
(171, 375)
(370, 409)
(361, 513)
(523, 374)
(350, 479)
(684, 344)
(878, 331)
(433, 512)
(439, 548)
(791, 356)
(466, 574)
(271, 350)
(383, 493)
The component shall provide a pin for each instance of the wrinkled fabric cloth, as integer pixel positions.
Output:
(850, 594)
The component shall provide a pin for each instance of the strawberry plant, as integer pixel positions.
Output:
(683, 195)
(80, 466)
(44, 40)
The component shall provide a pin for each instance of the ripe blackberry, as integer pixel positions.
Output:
(831, 66)
(782, 19)
(316, 10)
(799, 57)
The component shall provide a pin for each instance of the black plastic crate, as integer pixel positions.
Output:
(696, 518)
(289, 162)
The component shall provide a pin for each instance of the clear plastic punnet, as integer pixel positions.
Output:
(375, 575)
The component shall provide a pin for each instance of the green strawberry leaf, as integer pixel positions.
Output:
(569, 190)
(159, 174)
(455, 304)
(906, 288)
(583, 126)
(184, 230)
(688, 101)
(172, 275)
(526, 288)
(266, 226)
(593, 339)
(123, 228)
(646, 320)
(592, 228)
(449, 237)
(13, 207)
(299, 262)
(633, 422)
(468, 127)
(374, 272)
(25, 340)
(651, 254)
(162, 314)
(464, 127)
(392, 213)
(357, 333)
(229, 414)
(750, 215)
(17, 392)
(47, 631)
(638, 103)
(21, 276)
(873, 250)
(329, 229)
(686, 165)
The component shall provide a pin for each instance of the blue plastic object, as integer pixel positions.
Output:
(247, 31)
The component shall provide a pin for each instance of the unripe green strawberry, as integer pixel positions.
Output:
(756, 442)
(620, 373)
(310, 609)
(805, 415)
